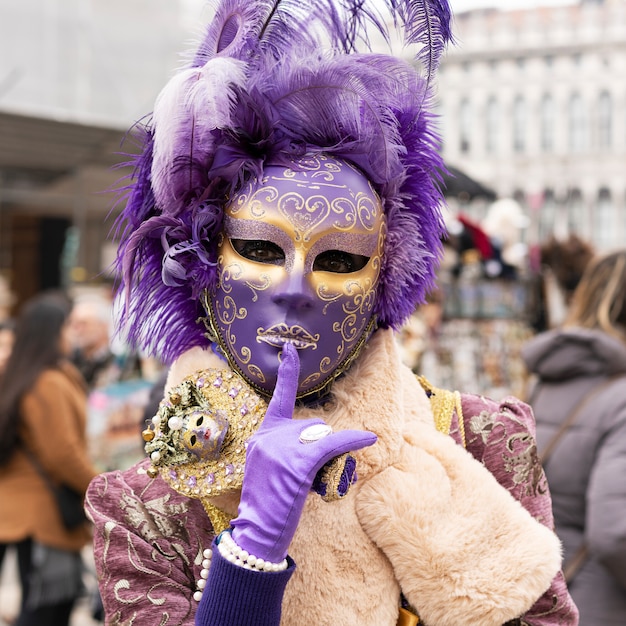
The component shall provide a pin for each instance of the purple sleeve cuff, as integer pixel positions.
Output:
(235, 596)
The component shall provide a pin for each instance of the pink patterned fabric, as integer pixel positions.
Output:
(502, 436)
(148, 544)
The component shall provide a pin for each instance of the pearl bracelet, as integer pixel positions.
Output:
(237, 555)
(234, 554)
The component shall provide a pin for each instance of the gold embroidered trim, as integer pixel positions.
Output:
(443, 404)
(459, 412)
(220, 520)
(199, 436)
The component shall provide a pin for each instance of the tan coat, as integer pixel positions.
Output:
(52, 427)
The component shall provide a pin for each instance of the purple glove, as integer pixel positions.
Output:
(280, 469)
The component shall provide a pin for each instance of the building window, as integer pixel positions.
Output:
(465, 121)
(519, 125)
(492, 123)
(604, 220)
(605, 120)
(547, 215)
(575, 215)
(577, 124)
(548, 123)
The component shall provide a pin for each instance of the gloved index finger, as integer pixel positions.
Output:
(284, 397)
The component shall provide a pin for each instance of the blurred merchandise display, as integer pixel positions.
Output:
(115, 416)
(485, 301)
(478, 354)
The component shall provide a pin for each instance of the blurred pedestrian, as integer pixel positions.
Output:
(42, 443)
(90, 334)
(562, 263)
(580, 406)
(7, 337)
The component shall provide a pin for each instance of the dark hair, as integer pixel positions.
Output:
(36, 348)
(567, 259)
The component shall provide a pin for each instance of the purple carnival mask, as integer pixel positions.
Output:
(299, 262)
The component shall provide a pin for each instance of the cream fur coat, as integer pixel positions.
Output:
(424, 518)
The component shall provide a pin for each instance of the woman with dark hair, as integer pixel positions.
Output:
(43, 443)
(580, 407)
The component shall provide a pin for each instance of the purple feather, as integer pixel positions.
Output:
(301, 89)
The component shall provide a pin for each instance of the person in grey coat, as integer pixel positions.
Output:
(580, 373)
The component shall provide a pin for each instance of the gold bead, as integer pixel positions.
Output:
(152, 471)
(175, 398)
(148, 434)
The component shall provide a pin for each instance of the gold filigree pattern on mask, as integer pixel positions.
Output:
(303, 214)
(363, 211)
(262, 286)
(344, 366)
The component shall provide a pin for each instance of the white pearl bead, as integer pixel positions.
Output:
(155, 456)
(156, 420)
(206, 563)
(260, 564)
(204, 573)
(197, 596)
(175, 423)
(208, 553)
(252, 560)
(201, 584)
(243, 555)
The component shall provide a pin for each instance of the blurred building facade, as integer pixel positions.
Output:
(74, 76)
(533, 105)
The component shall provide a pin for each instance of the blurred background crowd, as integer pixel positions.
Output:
(533, 119)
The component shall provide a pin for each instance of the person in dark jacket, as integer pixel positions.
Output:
(581, 376)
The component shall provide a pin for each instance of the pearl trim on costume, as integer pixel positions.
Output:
(204, 574)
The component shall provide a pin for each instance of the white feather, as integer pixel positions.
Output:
(192, 104)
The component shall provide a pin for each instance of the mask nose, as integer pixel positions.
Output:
(294, 293)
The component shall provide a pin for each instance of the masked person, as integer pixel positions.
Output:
(285, 219)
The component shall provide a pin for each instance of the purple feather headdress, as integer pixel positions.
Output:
(270, 82)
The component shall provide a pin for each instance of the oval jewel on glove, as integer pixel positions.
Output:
(315, 433)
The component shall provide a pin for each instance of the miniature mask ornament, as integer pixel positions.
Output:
(299, 262)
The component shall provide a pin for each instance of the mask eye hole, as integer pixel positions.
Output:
(339, 262)
(259, 250)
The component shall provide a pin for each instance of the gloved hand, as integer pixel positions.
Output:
(280, 468)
